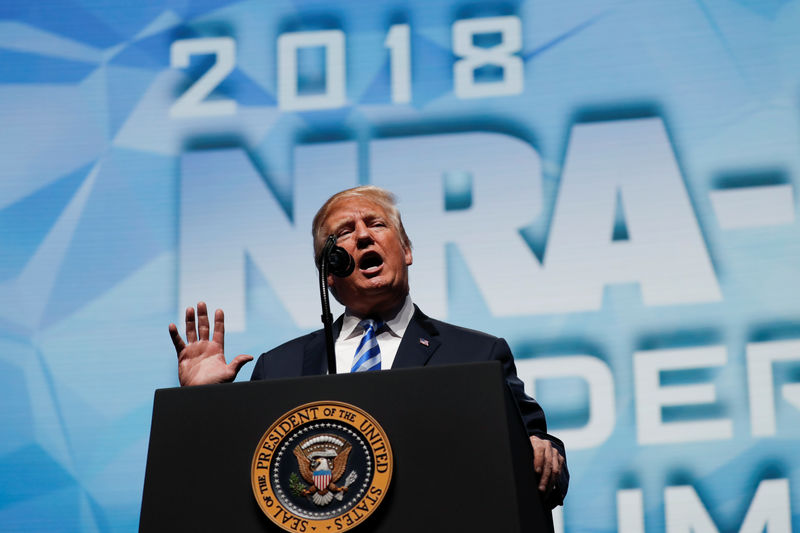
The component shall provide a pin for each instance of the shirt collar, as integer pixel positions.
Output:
(395, 325)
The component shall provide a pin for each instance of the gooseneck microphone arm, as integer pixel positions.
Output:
(334, 260)
(327, 317)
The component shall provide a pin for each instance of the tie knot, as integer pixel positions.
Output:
(371, 324)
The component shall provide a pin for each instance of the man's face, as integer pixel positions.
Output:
(379, 282)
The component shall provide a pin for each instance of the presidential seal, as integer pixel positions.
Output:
(323, 466)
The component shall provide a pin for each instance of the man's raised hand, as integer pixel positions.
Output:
(202, 361)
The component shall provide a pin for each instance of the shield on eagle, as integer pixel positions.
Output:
(322, 479)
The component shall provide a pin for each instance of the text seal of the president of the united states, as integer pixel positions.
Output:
(323, 466)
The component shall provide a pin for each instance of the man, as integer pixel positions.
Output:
(380, 325)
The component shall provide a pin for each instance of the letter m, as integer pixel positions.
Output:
(770, 510)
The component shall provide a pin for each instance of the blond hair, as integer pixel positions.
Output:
(374, 194)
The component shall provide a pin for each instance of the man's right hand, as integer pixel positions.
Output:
(202, 361)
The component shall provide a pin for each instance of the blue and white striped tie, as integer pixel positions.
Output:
(368, 353)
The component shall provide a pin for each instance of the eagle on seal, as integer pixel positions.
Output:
(322, 460)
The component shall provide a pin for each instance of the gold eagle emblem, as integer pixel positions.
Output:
(322, 460)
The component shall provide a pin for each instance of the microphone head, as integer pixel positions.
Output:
(340, 263)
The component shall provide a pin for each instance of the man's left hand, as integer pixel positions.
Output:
(547, 462)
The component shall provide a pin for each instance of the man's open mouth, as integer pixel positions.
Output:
(370, 263)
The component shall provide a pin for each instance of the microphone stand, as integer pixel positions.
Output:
(327, 317)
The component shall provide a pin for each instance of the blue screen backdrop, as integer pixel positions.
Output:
(612, 186)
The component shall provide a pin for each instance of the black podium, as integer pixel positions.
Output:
(462, 461)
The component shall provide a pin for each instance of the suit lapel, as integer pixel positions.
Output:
(315, 357)
(420, 341)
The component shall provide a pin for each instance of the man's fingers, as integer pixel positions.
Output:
(555, 473)
(219, 328)
(558, 463)
(538, 457)
(547, 467)
(177, 341)
(202, 321)
(238, 362)
(538, 460)
(547, 462)
(191, 332)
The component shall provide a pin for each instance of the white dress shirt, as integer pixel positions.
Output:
(389, 337)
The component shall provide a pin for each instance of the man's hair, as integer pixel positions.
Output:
(374, 194)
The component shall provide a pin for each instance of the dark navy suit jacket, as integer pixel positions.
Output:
(446, 345)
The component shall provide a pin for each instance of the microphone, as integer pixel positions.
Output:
(340, 263)
(333, 260)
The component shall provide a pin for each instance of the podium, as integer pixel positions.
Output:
(462, 461)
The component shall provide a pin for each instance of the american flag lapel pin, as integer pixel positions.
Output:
(424, 342)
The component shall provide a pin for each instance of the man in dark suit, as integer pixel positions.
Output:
(380, 325)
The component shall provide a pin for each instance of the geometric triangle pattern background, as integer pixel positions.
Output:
(90, 218)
